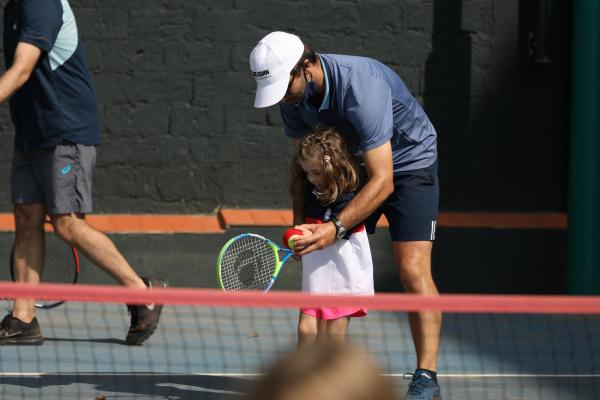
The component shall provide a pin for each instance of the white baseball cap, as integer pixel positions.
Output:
(271, 62)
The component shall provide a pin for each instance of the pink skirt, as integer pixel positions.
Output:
(329, 313)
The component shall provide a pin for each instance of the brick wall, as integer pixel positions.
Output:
(180, 134)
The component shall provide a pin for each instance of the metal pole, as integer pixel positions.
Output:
(584, 169)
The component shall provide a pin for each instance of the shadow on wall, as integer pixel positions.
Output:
(502, 117)
(447, 93)
(448, 69)
(502, 122)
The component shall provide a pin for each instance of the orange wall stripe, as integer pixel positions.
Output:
(499, 220)
(252, 217)
(7, 222)
(155, 223)
(178, 223)
(507, 220)
(141, 223)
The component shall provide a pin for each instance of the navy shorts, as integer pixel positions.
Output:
(413, 207)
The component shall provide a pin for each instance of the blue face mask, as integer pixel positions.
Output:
(309, 91)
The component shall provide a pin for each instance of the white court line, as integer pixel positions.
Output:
(198, 389)
(449, 376)
(468, 376)
(41, 374)
(249, 375)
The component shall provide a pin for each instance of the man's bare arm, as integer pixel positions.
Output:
(380, 185)
(25, 60)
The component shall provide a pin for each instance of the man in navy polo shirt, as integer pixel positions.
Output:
(396, 145)
(53, 109)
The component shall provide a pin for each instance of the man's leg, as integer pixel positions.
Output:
(413, 261)
(412, 212)
(29, 213)
(97, 247)
(102, 252)
(68, 197)
(28, 253)
(20, 327)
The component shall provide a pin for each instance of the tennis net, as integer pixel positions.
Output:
(211, 345)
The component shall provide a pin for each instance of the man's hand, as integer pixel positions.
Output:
(322, 235)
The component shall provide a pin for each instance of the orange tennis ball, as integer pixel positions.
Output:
(289, 236)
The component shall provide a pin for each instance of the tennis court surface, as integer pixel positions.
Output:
(211, 345)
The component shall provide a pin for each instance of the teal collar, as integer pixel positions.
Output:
(325, 103)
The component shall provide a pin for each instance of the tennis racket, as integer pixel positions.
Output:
(250, 262)
(61, 264)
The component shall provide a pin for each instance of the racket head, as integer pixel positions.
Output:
(61, 264)
(248, 262)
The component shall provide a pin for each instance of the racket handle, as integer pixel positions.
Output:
(270, 284)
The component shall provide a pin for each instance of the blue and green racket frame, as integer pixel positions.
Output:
(250, 262)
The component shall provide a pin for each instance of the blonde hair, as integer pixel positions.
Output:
(339, 171)
(326, 370)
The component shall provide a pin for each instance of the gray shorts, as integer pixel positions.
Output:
(59, 177)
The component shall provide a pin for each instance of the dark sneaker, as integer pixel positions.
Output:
(144, 318)
(422, 387)
(13, 331)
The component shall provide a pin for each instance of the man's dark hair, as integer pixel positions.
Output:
(308, 54)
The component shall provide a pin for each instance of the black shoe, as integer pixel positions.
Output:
(13, 331)
(144, 318)
(422, 387)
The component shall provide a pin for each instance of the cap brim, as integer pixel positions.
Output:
(269, 95)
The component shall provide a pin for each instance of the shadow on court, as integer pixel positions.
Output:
(93, 386)
(182, 387)
(105, 341)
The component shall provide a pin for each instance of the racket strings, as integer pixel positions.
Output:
(248, 264)
(60, 266)
(59, 260)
